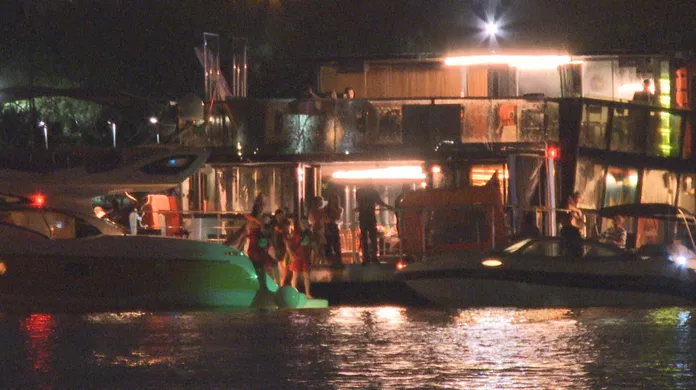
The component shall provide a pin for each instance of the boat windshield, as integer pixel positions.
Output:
(51, 224)
(12, 199)
(516, 246)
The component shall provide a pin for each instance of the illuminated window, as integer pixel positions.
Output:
(687, 193)
(589, 180)
(621, 185)
(482, 174)
(658, 187)
(593, 127)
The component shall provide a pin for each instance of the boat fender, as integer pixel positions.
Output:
(287, 297)
(303, 301)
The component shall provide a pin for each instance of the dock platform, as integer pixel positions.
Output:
(356, 284)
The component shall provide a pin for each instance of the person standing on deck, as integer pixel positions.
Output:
(333, 213)
(317, 221)
(299, 246)
(368, 199)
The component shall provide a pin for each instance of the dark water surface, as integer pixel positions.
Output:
(353, 347)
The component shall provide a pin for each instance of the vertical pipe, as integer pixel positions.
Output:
(551, 194)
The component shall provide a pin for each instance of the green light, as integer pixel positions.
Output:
(664, 87)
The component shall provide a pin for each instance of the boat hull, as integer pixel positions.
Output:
(462, 293)
(562, 283)
(87, 283)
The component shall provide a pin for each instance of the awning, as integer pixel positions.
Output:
(660, 211)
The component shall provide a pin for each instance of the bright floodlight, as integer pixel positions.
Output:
(491, 29)
(153, 120)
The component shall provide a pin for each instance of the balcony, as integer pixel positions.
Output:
(372, 126)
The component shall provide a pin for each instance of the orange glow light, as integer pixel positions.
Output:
(515, 61)
(403, 172)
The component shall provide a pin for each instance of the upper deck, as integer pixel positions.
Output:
(337, 129)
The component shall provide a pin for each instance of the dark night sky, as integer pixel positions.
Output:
(146, 47)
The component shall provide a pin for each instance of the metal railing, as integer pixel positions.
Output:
(432, 227)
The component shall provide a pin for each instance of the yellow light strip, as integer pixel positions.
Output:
(402, 172)
(515, 61)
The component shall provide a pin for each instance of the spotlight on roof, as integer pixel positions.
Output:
(491, 29)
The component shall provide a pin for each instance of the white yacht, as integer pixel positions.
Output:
(55, 254)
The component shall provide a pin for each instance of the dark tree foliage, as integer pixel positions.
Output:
(146, 47)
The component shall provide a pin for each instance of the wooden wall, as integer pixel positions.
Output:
(400, 81)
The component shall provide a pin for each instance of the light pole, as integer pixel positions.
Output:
(42, 124)
(154, 120)
(113, 132)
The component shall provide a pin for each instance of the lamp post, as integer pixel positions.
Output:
(154, 120)
(42, 124)
(113, 132)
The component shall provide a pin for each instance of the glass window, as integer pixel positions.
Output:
(546, 81)
(458, 225)
(621, 134)
(516, 246)
(621, 185)
(552, 124)
(658, 187)
(49, 224)
(481, 124)
(687, 193)
(664, 139)
(633, 128)
(277, 183)
(247, 190)
(593, 126)
(543, 248)
(597, 79)
(595, 250)
(481, 174)
(589, 180)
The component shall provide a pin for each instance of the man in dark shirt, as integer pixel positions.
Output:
(368, 199)
(646, 131)
(645, 96)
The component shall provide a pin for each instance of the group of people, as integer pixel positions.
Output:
(280, 244)
(323, 219)
(348, 93)
(278, 241)
(574, 220)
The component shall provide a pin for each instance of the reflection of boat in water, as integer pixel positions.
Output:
(556, 272)
(65, 258)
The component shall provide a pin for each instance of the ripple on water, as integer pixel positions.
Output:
(354, 347)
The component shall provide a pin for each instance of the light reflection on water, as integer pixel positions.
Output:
(353, 347)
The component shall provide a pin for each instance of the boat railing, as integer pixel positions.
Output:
(402, 232)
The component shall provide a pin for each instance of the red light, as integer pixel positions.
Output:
(400, 265)
(38, 200)
(553, 153)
